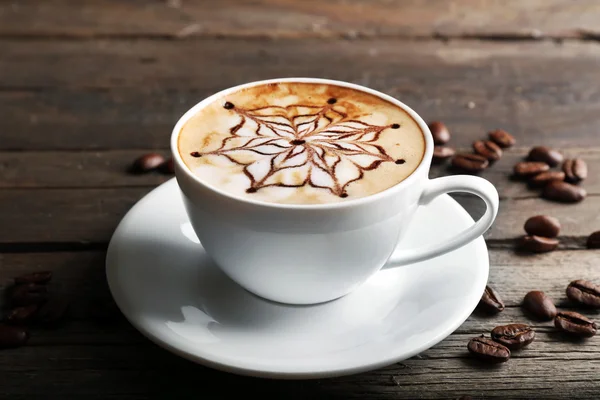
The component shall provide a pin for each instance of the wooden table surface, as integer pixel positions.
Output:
(87, 86)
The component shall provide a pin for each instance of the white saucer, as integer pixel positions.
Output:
(167, 287)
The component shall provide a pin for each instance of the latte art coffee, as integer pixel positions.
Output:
(301, 143)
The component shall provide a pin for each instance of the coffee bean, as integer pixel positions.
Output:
(487, 149)
(513, 336)
(542, 225)
(28, 293)
(539, 305)
(470, 162)
(530, 168)
(575, 323)
(564, 192)
(167, 167)
(538, 244)
(12, 336)
(34, 277)
(593, 241)
(491, 301)
(502, 138)
(543, 178)
(584, 292)
(21, 315)
(488, 350)
(147, 163)
(465, 398)
(441, 153)
(545, 154)
(440, 132)
(53, 311)
(575, 170)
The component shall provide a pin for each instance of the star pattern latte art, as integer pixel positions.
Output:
(301, 145)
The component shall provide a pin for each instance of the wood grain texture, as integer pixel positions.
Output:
(129, 94)
(88, 169)
(96, 119)
(500, 173)
(144, 371)
(288, 18)
(148, 64)
(111, 168)
(98, 355)
(87, 86)
(91, 215)
(64, 215)
(80, 275)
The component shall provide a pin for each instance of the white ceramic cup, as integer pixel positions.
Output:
(305, 254)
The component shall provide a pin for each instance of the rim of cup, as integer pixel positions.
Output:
(391, 191)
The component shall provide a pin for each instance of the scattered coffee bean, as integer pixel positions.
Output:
(167, 167)
(563, 192)
(545, 154)
(27, 294)
(12, 336)
(147, 162)
(470, 162)
(502, 138)
(491, 301)
(575, 170)
(34, 277)
(584, 292)
(542, 225)
(539, 305)
(441, 153)
(53, 311)
(21, 315)
(487, 149)
(593, 241)
(440, 133)
(513, 336)
(465, 398)
(538, 244)
(488, 350)
(530, 168)
(575, 323)
(544, 178)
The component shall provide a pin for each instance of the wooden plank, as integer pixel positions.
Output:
(80, 276)
(64, 169)
(287, 18)
(71, 108)
(73, 372)
(113, 330)
(81, 119)
(513, 275)
(101, 357)
(523, 378)
(577, 220)
(501, 174)
(152, 64)
(64, 215)
(109, 169)
(91, 215)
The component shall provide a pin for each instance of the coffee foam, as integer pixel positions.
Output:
(301, 143)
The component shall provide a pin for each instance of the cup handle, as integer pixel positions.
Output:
(435, 187)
